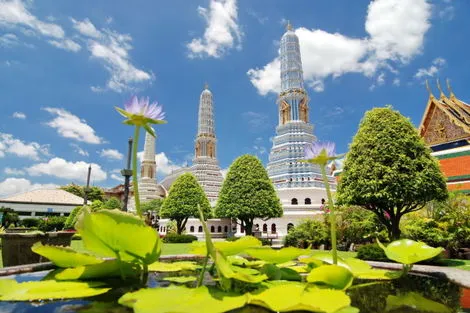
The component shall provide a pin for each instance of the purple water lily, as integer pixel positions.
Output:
(145, 108)
(313, 150)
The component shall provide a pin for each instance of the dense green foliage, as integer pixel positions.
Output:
(357, 225)
(94, 192)
(248, 193)
(371, 252)
(426, 230)
(112, 203)
(152, 206)
(72, 218)
(9, 218)
(389, 170)
(182, 201)
(30, 222)
(179, 238)
(309, 232)
(52, 223)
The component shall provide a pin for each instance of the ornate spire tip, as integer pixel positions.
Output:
(206, 85)
(289, 26)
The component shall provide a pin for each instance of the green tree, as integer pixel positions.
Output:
(248, 193)
(72, 218)
(152, 205)
(389, 170)
(94, 192)
(182, 201)
(112, 203)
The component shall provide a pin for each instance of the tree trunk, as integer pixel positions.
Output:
(394, 231)
(248, 226)
(180, 224)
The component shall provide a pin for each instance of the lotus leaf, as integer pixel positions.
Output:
(173, 267)
(64, 256)
(181, 279)
(290, 274)
(241, 261)
(245, 270)
(114, 233)
(228, 247)
(297, 297)
(363, 270)
(287, 264)
(225, 270)
(10, 290)
(319, 259)
(277, 256)
(417, 302)
(408, 251)
(299, 268)
(182, 299)
(272, 271)
(109, 268)
(334, 276)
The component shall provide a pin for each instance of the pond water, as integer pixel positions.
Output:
(369, 298)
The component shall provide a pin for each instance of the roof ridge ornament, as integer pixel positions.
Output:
(442, 95)
(429, 89)
(451, 92)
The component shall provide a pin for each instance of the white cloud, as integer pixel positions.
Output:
(66, 44)
(164, 165)
(396, 82)
(395, 28)
(111, 154)
(11, 186)
(8, 40)
(256, 121)
(13, 171)
(116, 175)
(224, 172)
(19, 115)
(74, 171)
(78, 149)
(11, 145)
(448, 11)
(222, 30)
(112, 48)
(436, 65)
(15, 15)
(71, 126)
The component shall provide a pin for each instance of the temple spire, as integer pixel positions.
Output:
(288, 26)
(451, 92)
(429, 89)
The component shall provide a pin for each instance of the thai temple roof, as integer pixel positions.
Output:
(456, 110)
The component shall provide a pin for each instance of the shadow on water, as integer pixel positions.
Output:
(410, 294)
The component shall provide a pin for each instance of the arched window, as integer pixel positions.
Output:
(225, 229)
(308, 201)
(199, 229)
(212, 229)
(256, 227)
(191, 229)
(219, 229)
(290, 226)
(273, 228)
(294, 201)
(265, 228)
(242, 229)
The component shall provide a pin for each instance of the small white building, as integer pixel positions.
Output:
(42, 202)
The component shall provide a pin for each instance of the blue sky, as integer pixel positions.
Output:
(64, 65)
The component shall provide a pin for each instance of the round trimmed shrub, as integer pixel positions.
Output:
(307, 233)
(30, 222)
(179, 238)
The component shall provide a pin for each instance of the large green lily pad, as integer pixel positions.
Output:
(417, 302)
(228, 247)
(298, 297)
(109, 268)
(361, 269)
(333, 276)
(114, 233)
(181, 299)
(10, 290)
(64, 256)
(408, 251)
(174, 266)
(277, 256)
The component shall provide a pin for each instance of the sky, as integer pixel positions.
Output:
(65, 65)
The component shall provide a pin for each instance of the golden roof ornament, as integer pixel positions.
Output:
(442, 95)
(429, 89)
(451, 92)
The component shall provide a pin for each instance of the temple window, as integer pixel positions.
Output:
(273, 228)
(294, 201)
(308, 201)
(219, 229)
(212, 229)
(290, 226)
(199, 229)
(265, 228)
(191, 229)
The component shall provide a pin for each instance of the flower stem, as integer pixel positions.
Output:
(332, 215)
(201, 276)
(134, 170)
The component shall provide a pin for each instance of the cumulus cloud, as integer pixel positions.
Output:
(12, 145)
(13, 171)
(19, 115)
(112, 49)
(73, 171)
(78, 149)
(11, 186)
(15, 14)
(431, 71)
(222, 31)
(69, 125)
(111, 154)
(395, 28)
